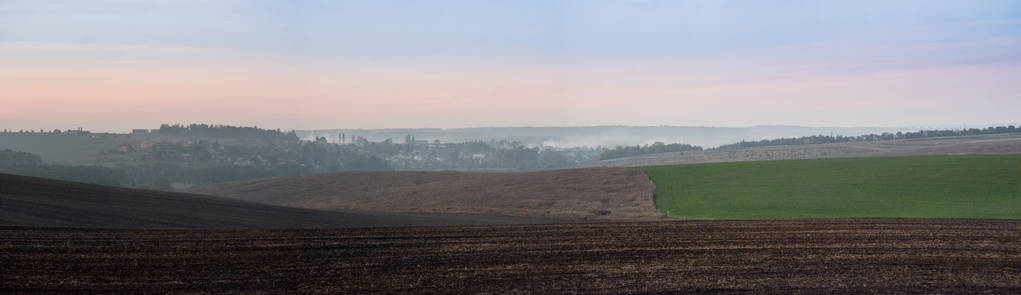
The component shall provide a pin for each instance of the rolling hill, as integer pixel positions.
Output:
(30, 201)
(952, 145)
(591, 193)
(970, 186)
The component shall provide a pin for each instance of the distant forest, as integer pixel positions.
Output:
(225, 131)
(819, 139)
(22, 163)
(655, 148)
(166, 163)
(180, 156)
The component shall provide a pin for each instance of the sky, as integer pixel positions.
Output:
(115, 65)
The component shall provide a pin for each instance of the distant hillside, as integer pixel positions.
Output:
(30, 201)
(1009, 143)
(592, 193)
(592, 136)
(821, 139)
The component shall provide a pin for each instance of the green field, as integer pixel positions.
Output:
(972, 186)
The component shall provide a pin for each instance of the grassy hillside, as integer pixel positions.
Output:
(973, 186)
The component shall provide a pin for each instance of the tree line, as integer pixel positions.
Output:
(820, 139)
(226, 131)
(21, 163)
(655, 148)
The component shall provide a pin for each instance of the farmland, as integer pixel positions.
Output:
(973, 186)
(951, 145)
(62, 237)
(30, 201)
(783, 256)
(604, 193)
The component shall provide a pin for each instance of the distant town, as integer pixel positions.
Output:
(178, 157)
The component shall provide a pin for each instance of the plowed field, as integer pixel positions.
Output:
(39, 202)
(590, 193)
(832, 256)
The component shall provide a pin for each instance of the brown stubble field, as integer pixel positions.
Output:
(608, 193)
(38, 202)
(780, 256)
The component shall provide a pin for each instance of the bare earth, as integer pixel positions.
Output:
(30, 201)
(590, 193)
(761, 256)
(986, 144)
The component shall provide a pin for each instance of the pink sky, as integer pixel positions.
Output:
(116, 65)
(87, 86)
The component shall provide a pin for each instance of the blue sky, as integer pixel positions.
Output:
(600, 29)
(573, 62)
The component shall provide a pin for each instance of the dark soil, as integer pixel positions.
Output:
(787, 256)
(29, 201)
(590, 193)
